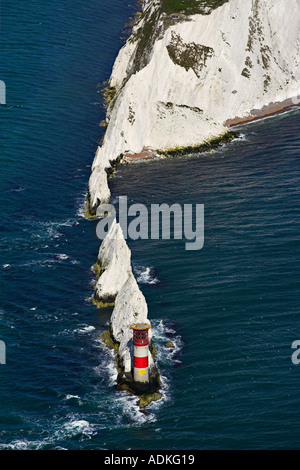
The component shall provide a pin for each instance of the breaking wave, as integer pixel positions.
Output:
(147, 275)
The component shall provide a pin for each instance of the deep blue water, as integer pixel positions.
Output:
(231, 308)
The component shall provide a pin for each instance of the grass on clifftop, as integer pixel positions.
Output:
(190, 6)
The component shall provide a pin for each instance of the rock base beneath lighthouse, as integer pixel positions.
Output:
(145, 392)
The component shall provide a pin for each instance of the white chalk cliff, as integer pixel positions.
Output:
(175, 83)
(178, 80)
(114, 259)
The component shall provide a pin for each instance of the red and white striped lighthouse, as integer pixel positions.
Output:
(141, 348)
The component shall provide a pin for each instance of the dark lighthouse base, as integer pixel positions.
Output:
(146, 392)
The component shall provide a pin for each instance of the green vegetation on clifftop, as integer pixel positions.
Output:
(190, 7)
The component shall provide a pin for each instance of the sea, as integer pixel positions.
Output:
(231, 308)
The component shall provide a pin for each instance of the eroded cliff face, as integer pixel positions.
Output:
(180, 78)
(113, 266)
(130, 308)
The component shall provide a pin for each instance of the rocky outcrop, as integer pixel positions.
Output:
(116, 285)
(99, 192)
(113, 266)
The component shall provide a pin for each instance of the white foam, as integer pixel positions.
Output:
(146, 276)
(69, 397)
(20, 444)
(81, 211)
(128, 405)
(107, 366)
(76, 426)
(50, 229)
(161, 335)
(62, 256)
(85, 329)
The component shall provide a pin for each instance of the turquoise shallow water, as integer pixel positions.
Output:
(231, 308)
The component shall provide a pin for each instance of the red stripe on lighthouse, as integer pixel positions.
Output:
(141, 362)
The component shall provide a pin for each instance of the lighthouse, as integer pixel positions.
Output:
(141, 348)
